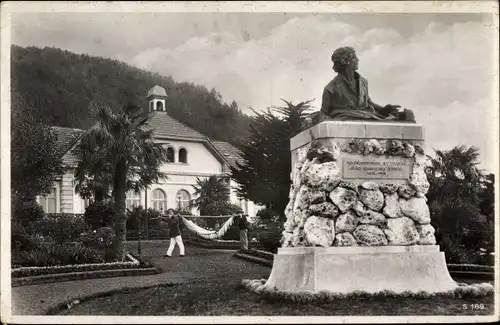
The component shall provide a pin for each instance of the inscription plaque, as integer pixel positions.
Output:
(376, 167)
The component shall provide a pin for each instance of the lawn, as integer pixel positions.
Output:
(227, 298)
(215, 289)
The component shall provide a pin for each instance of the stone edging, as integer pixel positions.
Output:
(258, 286)
(254, 259)
(71, 276)
(78, 300)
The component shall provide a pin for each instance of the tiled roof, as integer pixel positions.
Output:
(164, 126)
(230, 152)
(66, 139)
(167, 127)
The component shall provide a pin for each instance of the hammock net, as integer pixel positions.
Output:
(206, 233)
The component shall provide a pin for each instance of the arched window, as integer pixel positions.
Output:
(159, 200)
(151, 106)
(49, 202)
(183, 155)
(133, 200)
(183, 200)
(159, 106)
(170, 154)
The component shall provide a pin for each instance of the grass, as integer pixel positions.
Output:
(229, 298)
(218, 291)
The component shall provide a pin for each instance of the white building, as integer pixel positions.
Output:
(191, 155)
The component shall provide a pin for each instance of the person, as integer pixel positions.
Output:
(346, 96)
(243, 225)
(175, 234)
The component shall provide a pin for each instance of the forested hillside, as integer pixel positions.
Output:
(60, 85)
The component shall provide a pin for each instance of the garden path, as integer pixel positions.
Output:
(199, 264)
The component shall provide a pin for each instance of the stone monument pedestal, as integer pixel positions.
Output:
(367, 269)
(358, 219)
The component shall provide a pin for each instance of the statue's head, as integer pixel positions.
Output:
(344, 58)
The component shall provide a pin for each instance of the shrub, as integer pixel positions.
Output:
(61, 228)
(218, 208)
(150, 226)
(268, 235)
(462, 231)
(21, 239)
(27, 212)
(56, 254)
(461, 254)
(100, 214)
(267, 214)
(98, 239)
(135, 217)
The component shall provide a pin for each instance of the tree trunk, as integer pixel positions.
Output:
(120, 180)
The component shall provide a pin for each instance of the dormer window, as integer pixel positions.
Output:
(183, 155)
(170, 154)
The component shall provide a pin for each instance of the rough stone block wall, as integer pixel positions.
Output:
(326, 210)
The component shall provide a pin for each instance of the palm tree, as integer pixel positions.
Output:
(119, 150)
(454, 174)
(209, 190)
(454, 198)
(93, 177)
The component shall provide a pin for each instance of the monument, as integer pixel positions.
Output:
(358, 219)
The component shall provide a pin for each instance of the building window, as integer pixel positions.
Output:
(183, 200)
(159, 106)
(49, 202)
(150, 106)
(133, 200)
(170, 155)
(159, 200)
(183, 155)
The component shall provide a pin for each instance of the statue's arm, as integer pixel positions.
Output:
(384, 110)
(375, 106)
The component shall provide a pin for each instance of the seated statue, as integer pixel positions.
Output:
(346, 97)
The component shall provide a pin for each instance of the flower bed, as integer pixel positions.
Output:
(258, 286)
(60, 239)
(38, 275)
(58, 269)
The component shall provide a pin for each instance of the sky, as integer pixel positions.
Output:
(439, 65)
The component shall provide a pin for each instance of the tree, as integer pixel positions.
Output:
(264, 176)
(94, 178)
(210, 192)
(123, 143)
(62, 85)
(35, 157)
(455, 201)
(488, 196)
(454, 174)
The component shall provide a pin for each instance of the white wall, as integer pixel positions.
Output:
(199, 159)
(181, 176)
(248, 207)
